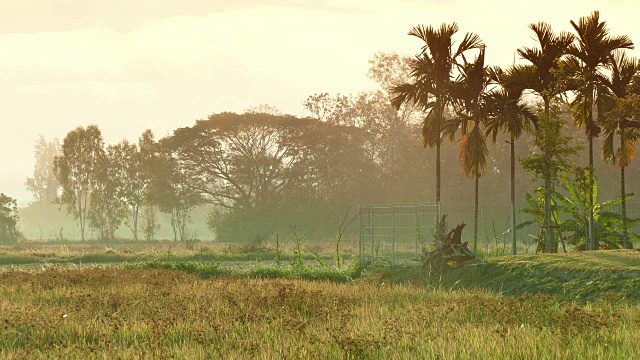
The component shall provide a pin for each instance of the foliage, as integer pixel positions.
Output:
(77, 170)
(108, 209)
(432, 73)
(607, 222)
(9, 232)
(43, 185)
(297, 261)
(551, 157)
(590, 54)
(536, 209)
(171, 193)
(542, 75)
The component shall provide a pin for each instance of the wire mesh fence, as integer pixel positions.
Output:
(395, 232)
(398, 232)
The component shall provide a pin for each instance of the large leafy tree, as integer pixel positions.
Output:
(173, 195)
(432, 75)
(542, 76)
(591, 53)
(76, 170)
(108, 203)
(242, 161)
(246, 165)
(624, 70)
(43, 185)
(132, 170)
(381, 140)
(149, 165)
(510, 115)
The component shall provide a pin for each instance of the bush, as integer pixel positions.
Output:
(9, 232)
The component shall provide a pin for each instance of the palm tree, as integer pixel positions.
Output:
(470, 94)
(543, 78)
(510, 116)
(623, 70)
(431, 70)
(592, 52)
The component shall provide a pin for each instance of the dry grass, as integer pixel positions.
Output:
(88, 253)
(115, 313)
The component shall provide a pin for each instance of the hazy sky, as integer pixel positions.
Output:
(129, 65)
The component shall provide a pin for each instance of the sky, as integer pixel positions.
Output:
(132, 65)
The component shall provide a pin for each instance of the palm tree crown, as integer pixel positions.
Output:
(432, 70)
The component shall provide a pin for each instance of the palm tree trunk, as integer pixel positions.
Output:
(438, 143)
(623, 195)
(548, 231)
(593, 241)
(625, 231)
(475, 218)
(548, 234)
(513, 197)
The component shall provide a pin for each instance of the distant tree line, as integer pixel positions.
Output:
(263, 171)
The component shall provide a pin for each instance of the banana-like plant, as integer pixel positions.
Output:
(536, 209)
(607, 222)
(570, 215)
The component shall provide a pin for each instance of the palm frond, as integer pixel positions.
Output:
(473, 152)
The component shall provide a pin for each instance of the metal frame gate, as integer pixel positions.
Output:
(395, 231)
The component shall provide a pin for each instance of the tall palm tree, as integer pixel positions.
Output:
(432, 70)
(593, 50)
(543, 78)
(623, 70)
(509, 115)
(470, 94)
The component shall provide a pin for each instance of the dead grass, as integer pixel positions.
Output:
(152, 313)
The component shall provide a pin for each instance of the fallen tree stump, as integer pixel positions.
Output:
(448, 248)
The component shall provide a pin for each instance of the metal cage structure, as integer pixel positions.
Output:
(395, 232)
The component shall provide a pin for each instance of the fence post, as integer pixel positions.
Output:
(393, 234)
(415, 226)
(359, 232)
(373, 241)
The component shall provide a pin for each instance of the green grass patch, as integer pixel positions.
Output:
(580, 276)
(252, 270)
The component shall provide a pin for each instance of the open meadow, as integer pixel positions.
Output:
(521, 307)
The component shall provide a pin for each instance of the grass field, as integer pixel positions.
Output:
(575, 306)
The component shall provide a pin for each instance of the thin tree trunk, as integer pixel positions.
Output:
(136, 210)
(475, 218)
(513, 197)
(438, 179)
(548, 233)
(81, 216)
(625, 230)
(83, 219)
(623, 194)
(438, 160)
(593, 239)
(174, 224)
(439, 108)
